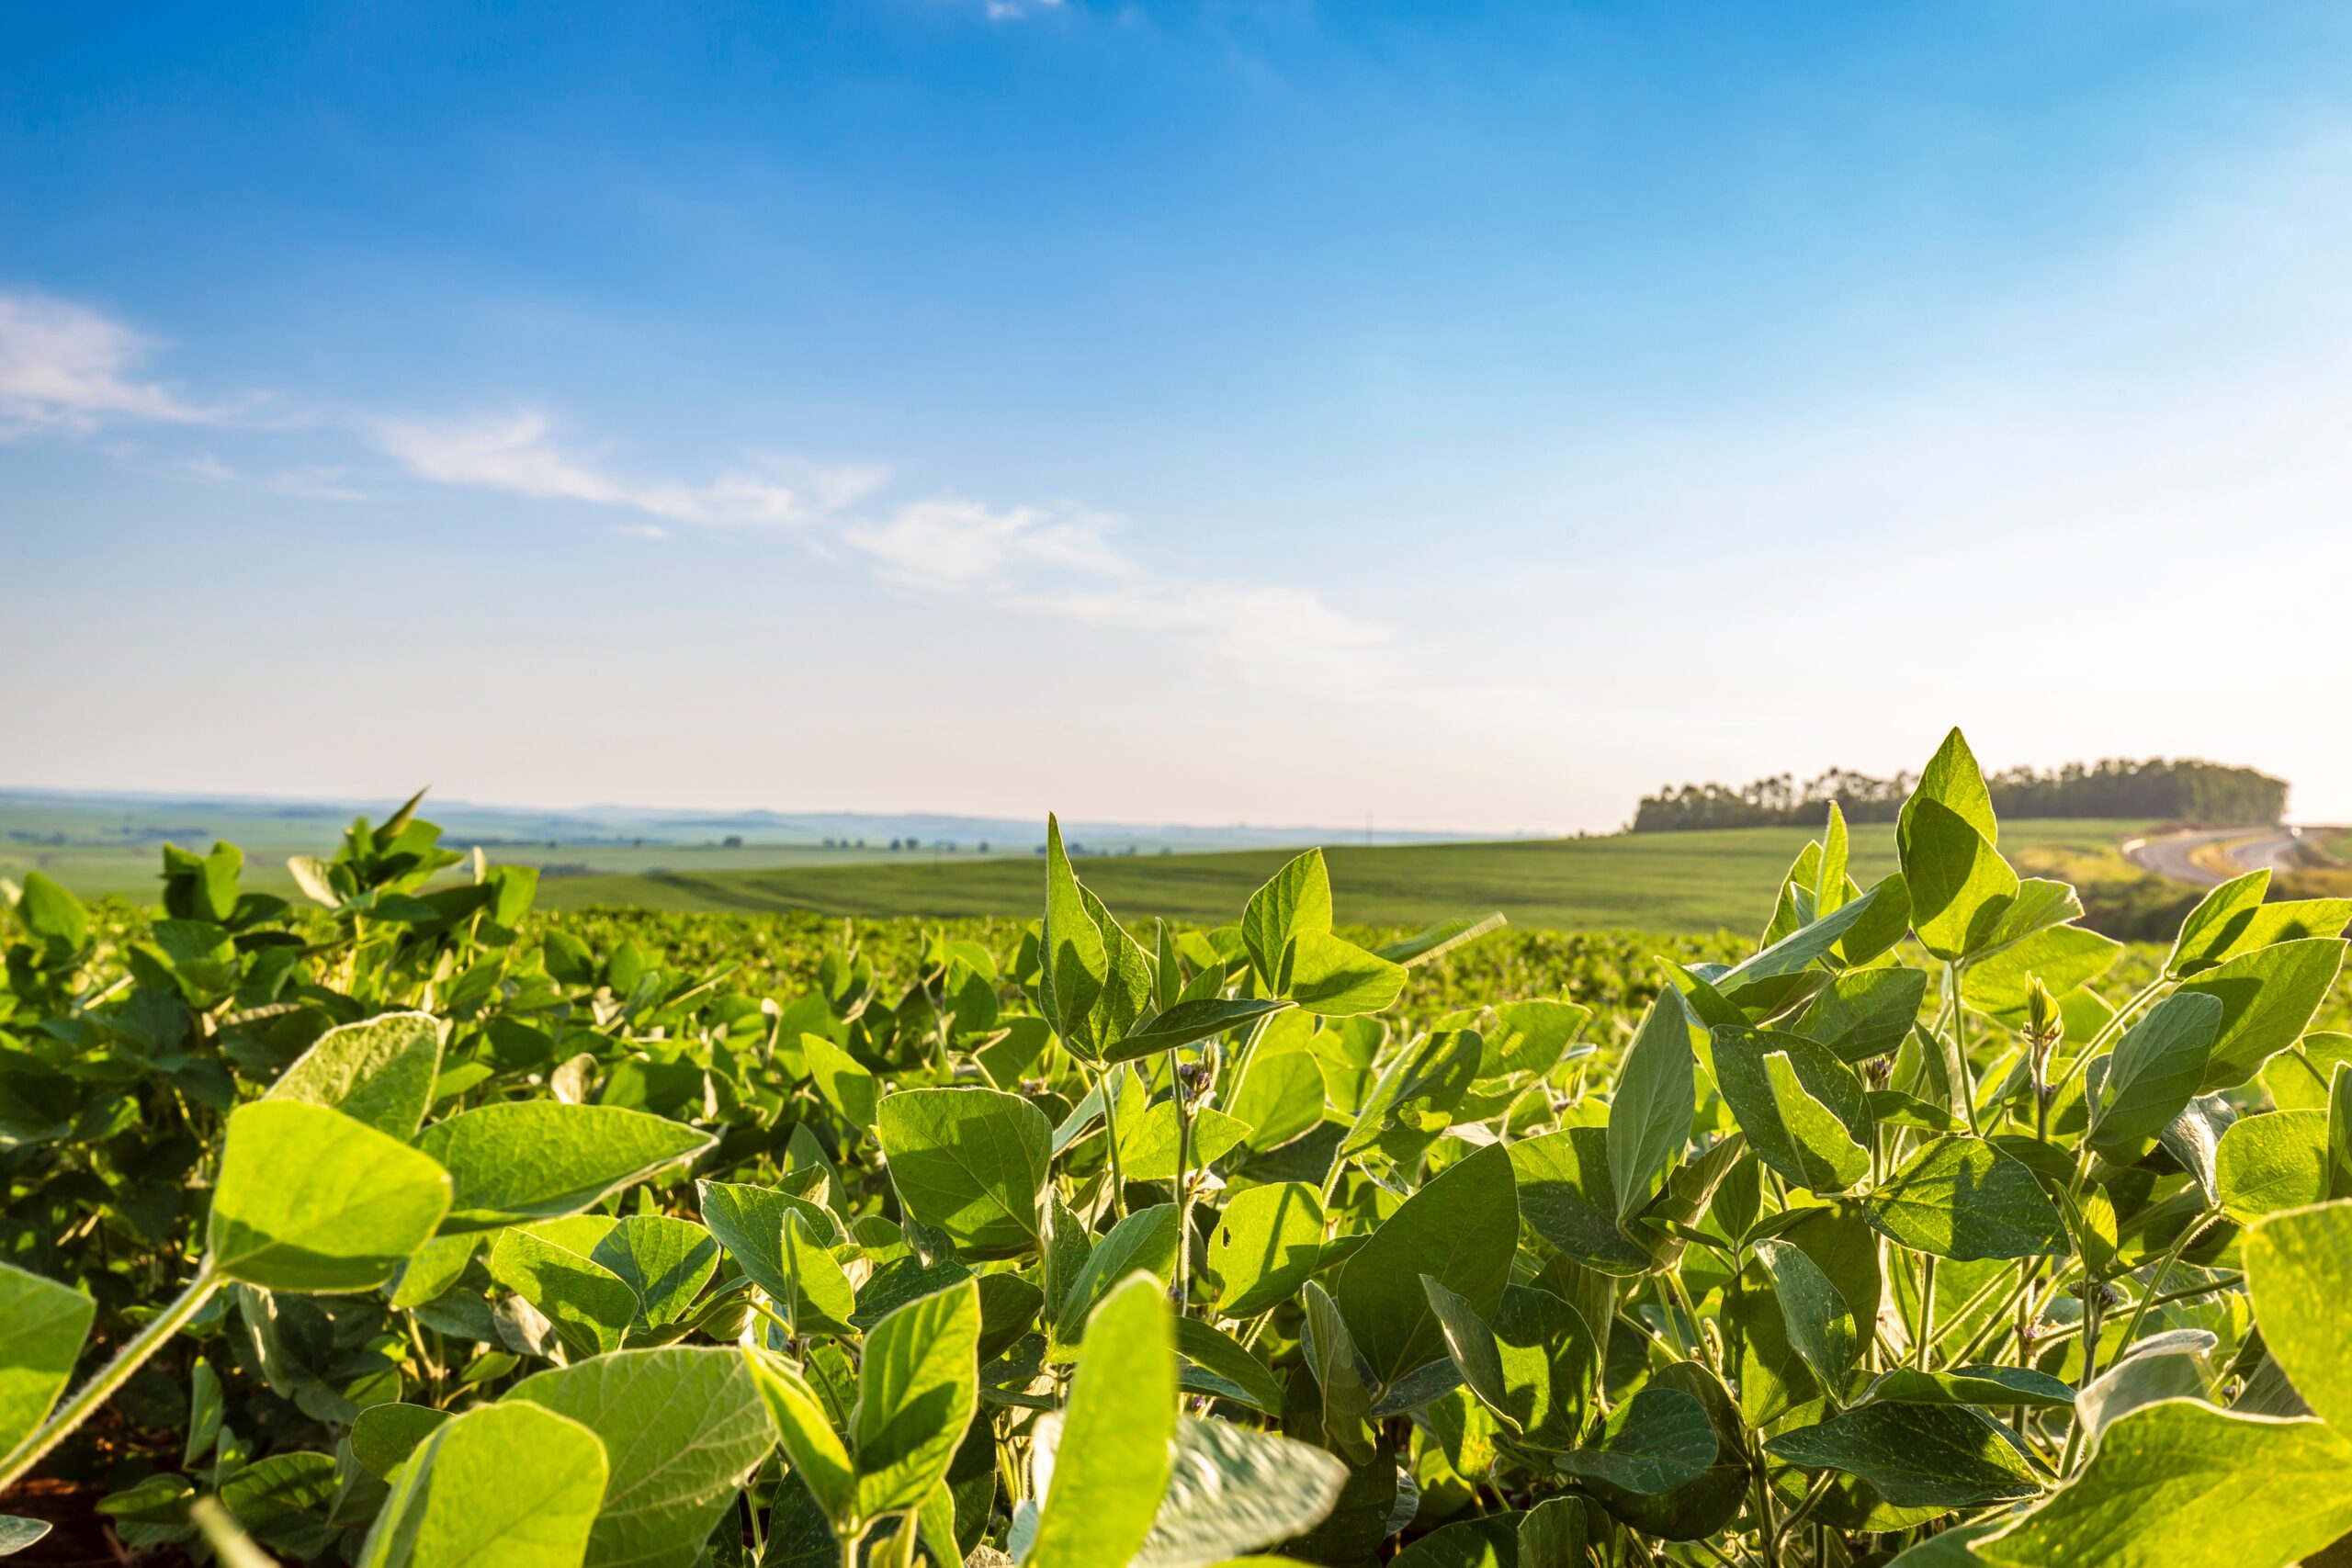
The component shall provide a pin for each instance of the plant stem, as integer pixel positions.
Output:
(1110, 1139)
(1927, 1310)
(847, 1536)
(2156, 1280)
(127, 1361)
(1183, 1186)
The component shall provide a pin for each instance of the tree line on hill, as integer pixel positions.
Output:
(2186, 791)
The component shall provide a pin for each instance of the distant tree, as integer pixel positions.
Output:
(2188, 791)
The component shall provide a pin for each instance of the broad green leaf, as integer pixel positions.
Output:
(1232, 1491)
(2262, 925)
(1333, 977)
(2297, 1078)
(1224, 1357)
(1127, 991)
(1953, 780)
(1188, 1023)
(1959, 886)
(971, 1162)
(1415, 1096)
(1074, 965)
(1424, 947)
(1655, 1441)
(270, 1491)
(1820, 1324)
(385, 1435)
(1280, 1096)
(589, 1305)
(52, 916)
(1566, 1197)
(1650, 1111)
(1800, 948)
(1866, 1012)
(1331, 1360)
(1471, 1344)
(1963, 1199)
(2174, 1365)
(1487, 1542)
(1265, 1245)
(2156, 1071)
(1148, 1149)
(666, 1262)
(1807, 1115)
(2270, 1162)
(1706, 1504)
(1969, 1386)
(819, 1297)
(845, 1084)
(511, 1484)
(682, 1426)
(1460, 1229)
(2061, 957)
(1295, 899)
(2180, 1485)
(1915, 1455)
(43, 1325)
(815, 1450)
(917, 1388)
(1552, 1534)
(749, 1222)
(380, 1072)
(2299, 1271)
(540, 1159)
(2269, 997)
(1145, 1240)
(17, 1533)
(2210, 934)
(1102, 1469)
(309, 1199)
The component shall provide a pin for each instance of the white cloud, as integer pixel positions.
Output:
(205, 466)
(315, 483)
(65, 368)
(951, 543)
(518, 454)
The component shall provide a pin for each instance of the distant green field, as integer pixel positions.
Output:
(1663, 881)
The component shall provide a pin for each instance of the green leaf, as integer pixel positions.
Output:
(1970, 1385)
(1232, 1491)
(1650, 1111)
(1074, 965)
(272, 1490)
(2262, 925)
(971, 1162)
(1295, 899)
(1566, 1196)
(2180, 1485)
(917, 1388)
(819, 1299)
(1415, 1096)
(816, 1454)
(380, 1072)
(1471, 1344)
(749, 1222)
(2062, 958)
(43, 1325)
(1280, 1096)
(1552, 1534)
(683, 1427)
(666, 1262)
(1959, 886)
(523, 1160)
(589, 1305)
(1425, 947)
(1100, 1472)
(1804, 1111)
(2210, 934)
(309, 1199)
(1820, 1322)
(1866, 1012)
(1460, 1229)
(2269, 997)
(2299, 1271)
(2271, 1162)
(1655, 1441)
(385, 1435)
(1224, 1357)
(512, 1485)
(52, 916)
(1333, 977)
(1915, 1455)
(1188, 1023)
(1265, 1245)
(1331, 1360)
(1148, 1147)
(847, 1087)
(1962, 1198)
(1145, 1240)
(17, 1534)
(2156, 1071)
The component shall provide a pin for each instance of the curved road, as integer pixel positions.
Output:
(2242, 849)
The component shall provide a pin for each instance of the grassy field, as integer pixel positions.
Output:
(1664, 882)
(1660, 882)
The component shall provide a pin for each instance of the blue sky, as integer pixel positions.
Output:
(1466, 416)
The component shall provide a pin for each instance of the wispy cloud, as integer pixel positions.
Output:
(317, 482)
(519, 453)
(66, 368)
